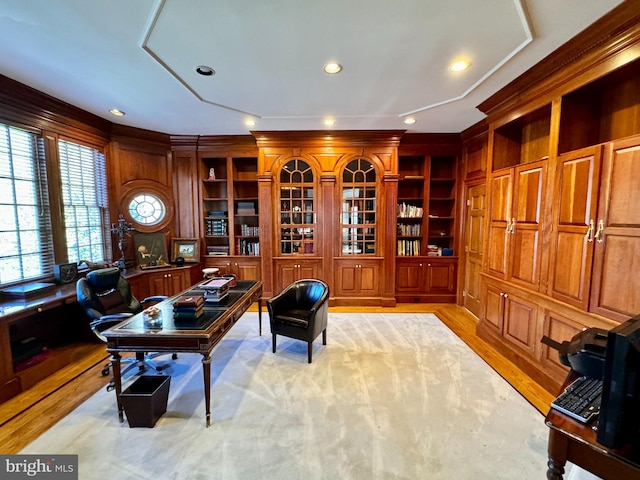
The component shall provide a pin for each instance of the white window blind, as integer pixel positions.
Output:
(84, 194)
(26, 247)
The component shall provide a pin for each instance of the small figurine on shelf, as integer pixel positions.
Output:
(212, 174)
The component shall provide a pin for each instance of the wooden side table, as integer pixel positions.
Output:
(570, 440)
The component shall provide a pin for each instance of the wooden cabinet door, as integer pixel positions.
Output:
(574, 223)
(176, 282)
(409, 277)
(520, 320)
(492, 311)
(247, 268)
(526, 224)
(288, 271)
(222, 263)
(559, 328)
(499, 222)
(157, 284)
(615, 291)
(440, 276)
(358, 277)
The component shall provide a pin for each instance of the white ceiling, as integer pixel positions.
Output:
(140, 56)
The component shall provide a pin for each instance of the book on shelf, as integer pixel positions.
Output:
(217, 249)
(406, 210)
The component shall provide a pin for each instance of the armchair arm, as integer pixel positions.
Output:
(154, 298)
(109, 320)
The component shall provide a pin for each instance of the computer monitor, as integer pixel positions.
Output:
(619, 421)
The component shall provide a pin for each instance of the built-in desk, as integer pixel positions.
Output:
(55, 320)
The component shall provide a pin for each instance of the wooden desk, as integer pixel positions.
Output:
(570, 440)
(184, 335)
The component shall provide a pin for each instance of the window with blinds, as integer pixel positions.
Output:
(26, 246)
(84, 195)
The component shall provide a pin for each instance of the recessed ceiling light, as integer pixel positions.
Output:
(409, 120)
(250, 122)
(205, 71)
(329, 122)
(332, 67)
(117, 113)
(459, 65)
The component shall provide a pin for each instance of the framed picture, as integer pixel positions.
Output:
(150, 250)
(187, 248)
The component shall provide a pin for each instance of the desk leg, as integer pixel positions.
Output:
(557, 451)
(117, 383)
(260, 314)
(206, 370)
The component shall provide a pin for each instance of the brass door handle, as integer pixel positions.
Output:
(600, 233)
(589, 235)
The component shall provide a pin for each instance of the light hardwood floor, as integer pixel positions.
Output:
(28, 415)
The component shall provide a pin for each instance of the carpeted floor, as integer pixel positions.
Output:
(390, 396)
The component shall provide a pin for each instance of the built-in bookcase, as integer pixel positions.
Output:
(426, 205)
(230, 206)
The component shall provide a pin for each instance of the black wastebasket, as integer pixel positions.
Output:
(145, 400)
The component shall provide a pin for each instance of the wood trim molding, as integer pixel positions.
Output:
(26, 107)
(607, 37)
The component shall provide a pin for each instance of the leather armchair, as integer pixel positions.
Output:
(300, 312)
(107, 300)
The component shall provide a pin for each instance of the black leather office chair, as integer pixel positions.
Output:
(300, 311)
(107, 299)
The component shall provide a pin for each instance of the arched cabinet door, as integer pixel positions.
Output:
(359, 208)
(297, 243)
(297, 203)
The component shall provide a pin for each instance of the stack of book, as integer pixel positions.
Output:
(188, 307)
(216, 289)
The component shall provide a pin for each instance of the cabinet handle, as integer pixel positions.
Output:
(589, 235)
(599, 233)
(506, 295)
(513, 226)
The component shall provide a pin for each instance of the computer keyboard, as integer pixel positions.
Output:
(580, 400)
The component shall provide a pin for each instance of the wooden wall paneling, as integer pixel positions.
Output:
(390, 188)
(327, 222)
(267, 233)
(187, 192)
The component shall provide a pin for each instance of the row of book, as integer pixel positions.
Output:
(409, 230)
(248, 231)
(406, 210)
(408, 248)
(248, 247)
(216, 226)
(217, 249)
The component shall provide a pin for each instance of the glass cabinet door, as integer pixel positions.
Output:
(297, 209)
(358, 212)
